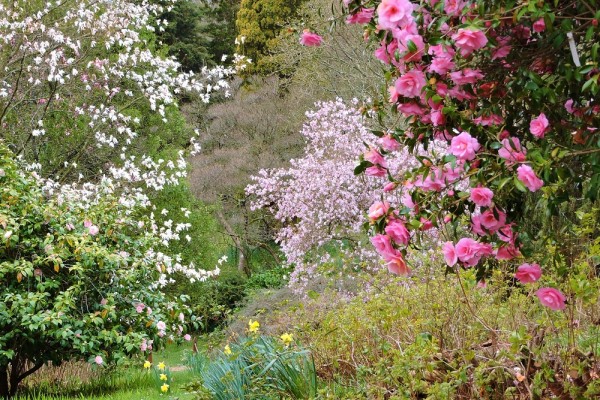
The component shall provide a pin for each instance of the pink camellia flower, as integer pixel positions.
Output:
(383, 245)
(507, 252)
(528, 177)
(528, 273)
(437, 117)
(87, 223)
(489, 120)
(93, 230)
(476, 224)
(490, 222)
(407, 201)
(469, 40)
(569, 106)
(539, 25)
(454, 7)
(503, 48)
(310, 39)
(374, 157)
(398, 232)
(441, 65)
(389, 143)
(390, 186)
(464, 146)
(466, 76)
(539, 126)
(143, 346)
(378, 209)
(187, 337)
(411, 84)
(449, 254)
(393, 94)
(409, 109)
(395, 13)
(470, 251)
(398, 266)
(361, 17)
(161, 326)
(98, 360)
(551, 298)
(481, 196)
(512, 151)
(376, 170)
(382, 54)
(425, 224)
(406, 40)
(139, 307)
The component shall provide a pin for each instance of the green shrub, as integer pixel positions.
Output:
(452, 339)
(273, 278)
(214, 300)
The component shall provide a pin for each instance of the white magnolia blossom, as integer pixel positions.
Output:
(76, 58)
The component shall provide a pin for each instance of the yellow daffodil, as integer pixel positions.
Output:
(163, 377)
(161, 366)
(286, 338)
(164, 388)
(147, 364)
(253, 326)
(227, 350)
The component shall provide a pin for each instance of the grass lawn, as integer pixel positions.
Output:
(131, 382)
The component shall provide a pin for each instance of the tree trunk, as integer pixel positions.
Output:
(9, 383)
(4, 389)
(242, 261)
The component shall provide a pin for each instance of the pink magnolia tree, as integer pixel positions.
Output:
(320, 204)
(511, 88)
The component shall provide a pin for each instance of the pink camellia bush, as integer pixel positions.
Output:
(483, 80)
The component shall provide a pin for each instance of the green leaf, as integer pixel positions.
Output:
(362, 167)
(519, 185)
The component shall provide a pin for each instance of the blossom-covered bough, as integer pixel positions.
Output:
(511, 87)
(82, 84)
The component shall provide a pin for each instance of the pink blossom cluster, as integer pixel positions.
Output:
(319, 200)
